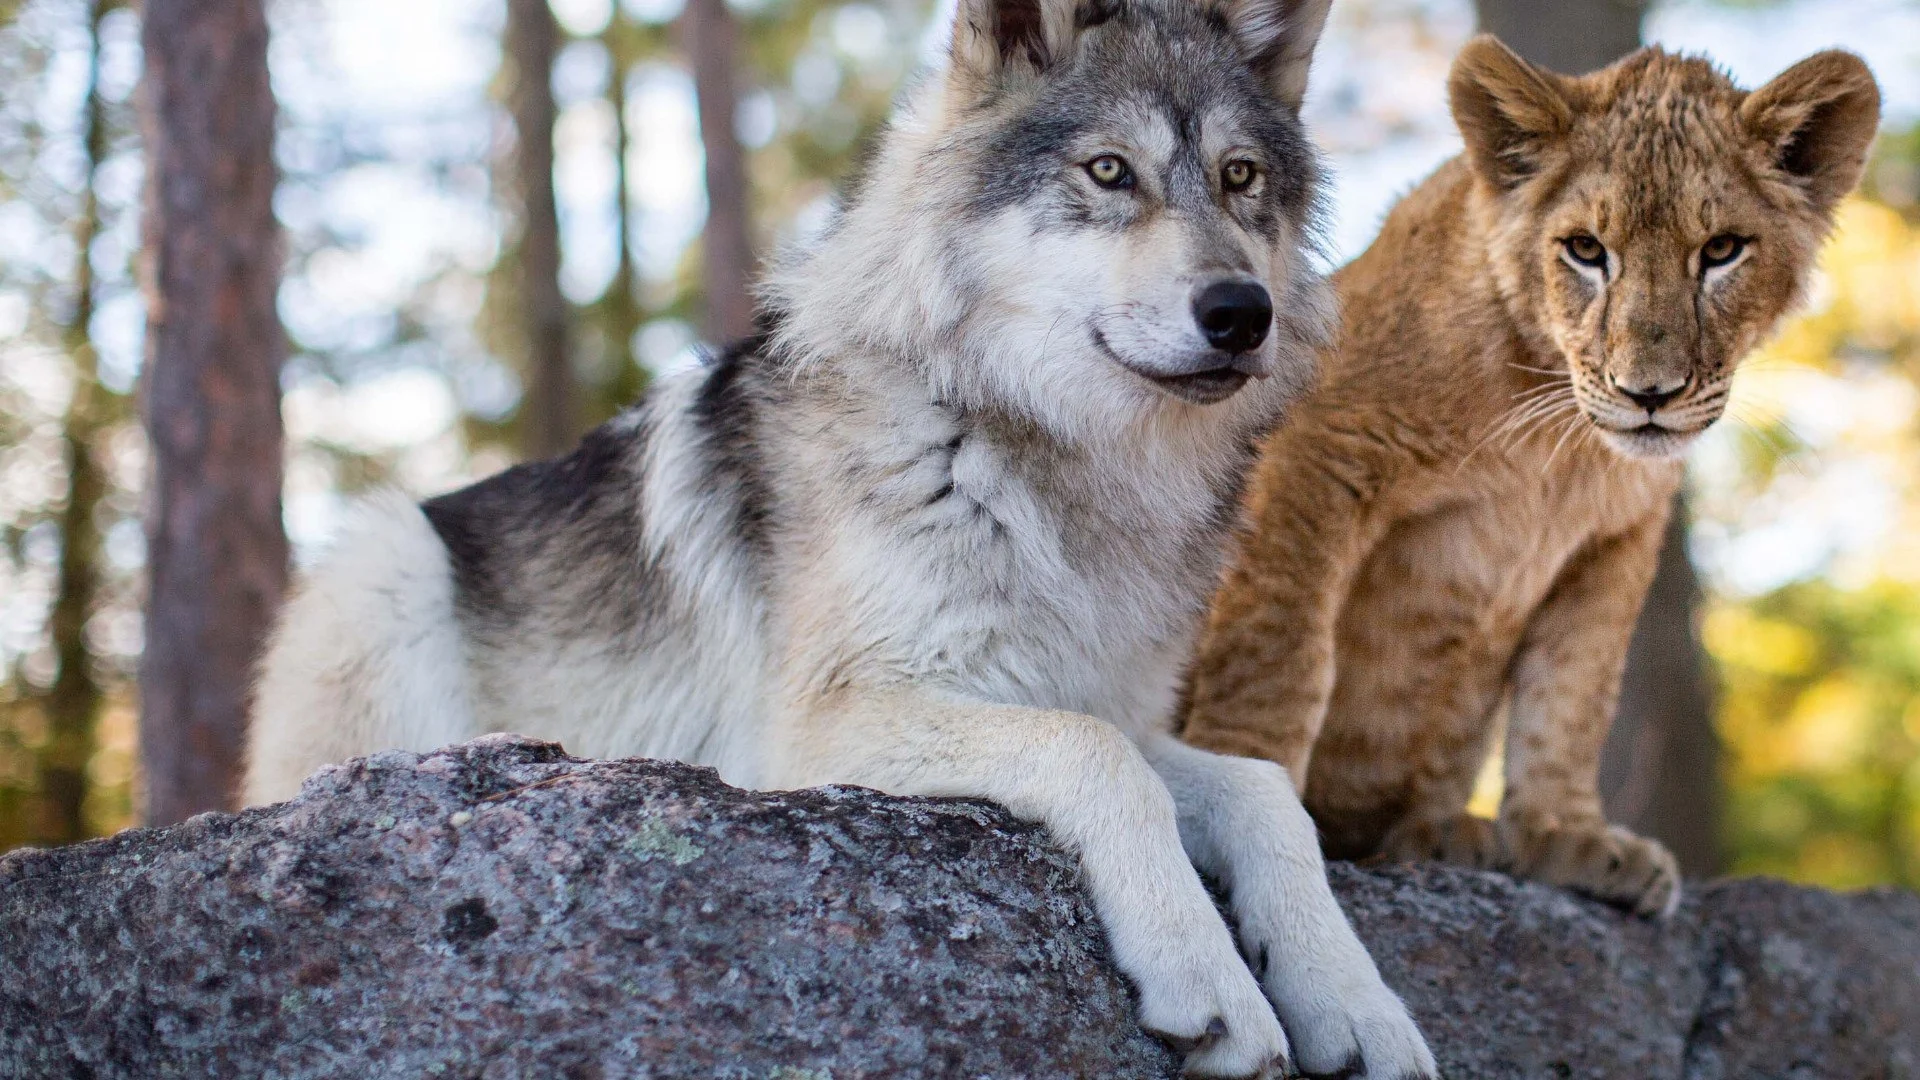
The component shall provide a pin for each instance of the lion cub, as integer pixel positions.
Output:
(1467, 514)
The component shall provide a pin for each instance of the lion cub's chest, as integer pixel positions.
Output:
(1471, 564)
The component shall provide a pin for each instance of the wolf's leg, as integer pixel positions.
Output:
(1087, 783)
(367, 656)
(1242, 823)
(1566, 683)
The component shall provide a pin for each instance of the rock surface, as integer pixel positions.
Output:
(502, 910)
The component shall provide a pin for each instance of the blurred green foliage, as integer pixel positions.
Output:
(1821, 720)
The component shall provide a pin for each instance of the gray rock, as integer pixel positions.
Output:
(502, 910)
(1751, 980)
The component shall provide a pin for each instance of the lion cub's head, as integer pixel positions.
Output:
(1651, 221)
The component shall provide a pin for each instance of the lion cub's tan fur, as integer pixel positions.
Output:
(1468, 513)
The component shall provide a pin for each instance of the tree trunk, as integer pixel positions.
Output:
(73, 702)
(216, 550)
(1661, 769)
(1570, 36)
(1660, 772)
(533, 39)
(709, 39)
(622, 301)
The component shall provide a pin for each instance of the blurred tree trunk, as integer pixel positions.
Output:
(710, 40)
(533, 40)
(73, 702)
(1571, 36)
(622, 301)
(216, 550)
(1660, 773)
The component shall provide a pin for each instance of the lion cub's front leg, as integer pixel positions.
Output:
(1566, 683)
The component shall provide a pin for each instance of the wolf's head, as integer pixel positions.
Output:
(1098, 210)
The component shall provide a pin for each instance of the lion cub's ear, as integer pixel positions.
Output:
(1817, 118)
(1508, 111)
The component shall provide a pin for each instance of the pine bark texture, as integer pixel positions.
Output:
(500, 909)
(1660, 771)
(549, 420)
(710, 39)
(216, 550)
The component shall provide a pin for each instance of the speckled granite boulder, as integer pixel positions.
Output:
(1752, 980)
(502, 910)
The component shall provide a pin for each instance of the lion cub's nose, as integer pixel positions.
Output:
(1233, 315)
(1652, 394)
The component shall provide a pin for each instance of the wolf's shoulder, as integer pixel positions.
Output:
(709, 405)
(607, 463)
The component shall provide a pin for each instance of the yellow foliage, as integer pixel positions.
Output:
(1738, 635)
(1866, 294)
(1828, 729)
(1841, 861)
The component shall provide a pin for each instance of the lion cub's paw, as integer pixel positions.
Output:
(1464, 840)
(1601, 860)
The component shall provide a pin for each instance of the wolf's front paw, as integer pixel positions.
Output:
(1464, 840)
(1206, 1004)
(1347, 1023)
(1340, 1017)
(1590, 856)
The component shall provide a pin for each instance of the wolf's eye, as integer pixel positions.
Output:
(1237, 175)
(1586, 251)
(1721, 250)
(1110, 171)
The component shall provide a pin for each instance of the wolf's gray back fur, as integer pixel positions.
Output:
(947, 526)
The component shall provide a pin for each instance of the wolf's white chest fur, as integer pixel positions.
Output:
(970, 572)
(995, 564)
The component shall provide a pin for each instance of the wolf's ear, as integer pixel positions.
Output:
(990, 36)
(1508, 110)
(1817, 118)
(1279, 36)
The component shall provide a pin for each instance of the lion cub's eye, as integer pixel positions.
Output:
(1110, 171)
(1238, 175)
(1586, 251)
(1721, 250)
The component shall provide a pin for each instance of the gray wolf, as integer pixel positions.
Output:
(948, 526)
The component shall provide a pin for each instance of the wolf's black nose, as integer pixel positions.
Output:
(1233, 315)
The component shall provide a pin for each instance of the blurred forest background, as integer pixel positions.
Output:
(498, 219)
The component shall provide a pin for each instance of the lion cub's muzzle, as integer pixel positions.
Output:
(1650, 394)
(1653, 416)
